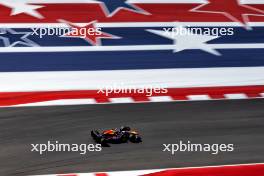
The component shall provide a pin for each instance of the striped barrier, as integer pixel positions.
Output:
(52, 98)
(256, 169)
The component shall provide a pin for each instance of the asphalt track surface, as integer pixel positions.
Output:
(240, 122)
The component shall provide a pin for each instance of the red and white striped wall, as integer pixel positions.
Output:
(225, 170)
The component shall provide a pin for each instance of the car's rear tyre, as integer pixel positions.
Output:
(124, 138)
(125, 128)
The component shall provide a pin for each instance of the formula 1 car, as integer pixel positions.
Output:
(116, 136)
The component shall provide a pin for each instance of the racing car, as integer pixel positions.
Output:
(116, 136)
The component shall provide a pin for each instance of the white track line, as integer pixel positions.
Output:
(156, 78)
(63, 102)
(121, 100)
(236, 96)
(160, 99)
(198, 97)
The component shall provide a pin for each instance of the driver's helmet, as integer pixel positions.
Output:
(125, 128)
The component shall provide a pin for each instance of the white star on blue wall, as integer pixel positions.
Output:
(12, 38)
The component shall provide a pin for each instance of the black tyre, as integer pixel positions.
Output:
(124, 138)
(135, 139)
(93, 134)
(125, 128)
(96, 136)
(104, 143)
